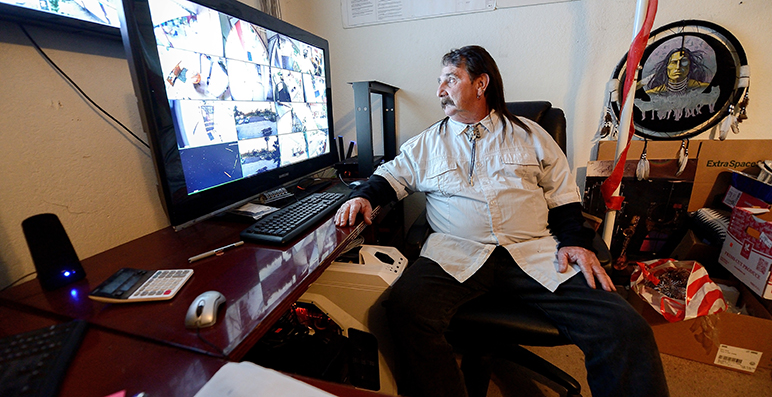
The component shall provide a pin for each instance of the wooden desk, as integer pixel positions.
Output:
(259, 282)
(108, 362)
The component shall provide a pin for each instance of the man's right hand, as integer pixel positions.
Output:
(347, 213)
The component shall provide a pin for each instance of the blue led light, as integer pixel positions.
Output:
(67, 273)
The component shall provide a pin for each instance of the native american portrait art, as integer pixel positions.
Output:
(693, 77)
(677, 79)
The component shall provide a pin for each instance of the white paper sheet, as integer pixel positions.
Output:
(369, 12)
(247, 379)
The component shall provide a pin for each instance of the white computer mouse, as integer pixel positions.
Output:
(203, 310)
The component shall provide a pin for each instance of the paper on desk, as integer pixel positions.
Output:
(256, 211)
(247, 379)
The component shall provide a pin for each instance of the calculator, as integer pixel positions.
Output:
(137, 285)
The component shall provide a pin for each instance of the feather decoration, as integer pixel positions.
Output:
(608, 125)
(713, 133)
(683, 156)
(735, 124)
(743, 104)
(724, 127)
(642, 171)
(726, 124)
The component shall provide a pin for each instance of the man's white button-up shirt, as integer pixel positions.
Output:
(517, 177)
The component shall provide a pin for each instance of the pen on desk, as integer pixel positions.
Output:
(213, 252)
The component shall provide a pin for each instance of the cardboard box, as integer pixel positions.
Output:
(747, 250)
(727, 340)
(691, 248)
(737, 198)
(715, 160)
(750, 185)
(655, 150)
(714, 165)
(653, 219)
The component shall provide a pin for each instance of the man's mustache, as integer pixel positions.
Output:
(446, 101)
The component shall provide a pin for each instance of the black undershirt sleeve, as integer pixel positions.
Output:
(566, 222)
(377, 190)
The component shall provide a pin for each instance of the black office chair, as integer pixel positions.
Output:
(484, 328)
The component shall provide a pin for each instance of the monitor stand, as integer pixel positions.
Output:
(363, 165)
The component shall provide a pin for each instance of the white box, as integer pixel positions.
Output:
(352, 295)
(747, 250)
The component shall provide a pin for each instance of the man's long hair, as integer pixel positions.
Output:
(477, 61)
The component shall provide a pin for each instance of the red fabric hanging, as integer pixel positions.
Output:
(609, 186)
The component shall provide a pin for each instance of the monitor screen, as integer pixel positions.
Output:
(234, 101)
(93, 16)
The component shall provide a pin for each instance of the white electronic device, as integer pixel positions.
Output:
(351, 294)
(377, 265)
(139, 285)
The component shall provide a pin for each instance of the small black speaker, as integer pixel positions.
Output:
(55, 259)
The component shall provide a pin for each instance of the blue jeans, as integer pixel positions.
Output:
(621, 355)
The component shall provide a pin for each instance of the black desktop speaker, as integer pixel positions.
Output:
(55, 259)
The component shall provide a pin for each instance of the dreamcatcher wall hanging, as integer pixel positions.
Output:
(693, 77)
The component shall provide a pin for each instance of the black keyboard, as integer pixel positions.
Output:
(289, 222)
(34, 363)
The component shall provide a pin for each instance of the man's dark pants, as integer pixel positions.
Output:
(621, 355)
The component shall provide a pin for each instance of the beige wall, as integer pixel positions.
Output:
(563, 52)
(60, 155)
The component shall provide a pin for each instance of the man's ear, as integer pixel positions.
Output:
(482, 83)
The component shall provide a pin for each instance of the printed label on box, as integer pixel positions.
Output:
(737, 358)
(765, 239)
(737, 198)
(732, 196)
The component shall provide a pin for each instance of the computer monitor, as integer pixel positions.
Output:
(89, 16)
(235, 102)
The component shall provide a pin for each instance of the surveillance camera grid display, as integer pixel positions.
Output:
(244, 99)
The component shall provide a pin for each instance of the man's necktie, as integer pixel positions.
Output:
(473, 133)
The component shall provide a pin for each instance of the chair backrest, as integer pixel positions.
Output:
(552, 119)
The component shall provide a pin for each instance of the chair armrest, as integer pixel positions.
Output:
(602, 252)
(600, 247)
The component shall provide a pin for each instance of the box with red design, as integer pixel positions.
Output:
(747, 250)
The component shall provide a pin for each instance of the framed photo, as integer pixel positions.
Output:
(691, 76)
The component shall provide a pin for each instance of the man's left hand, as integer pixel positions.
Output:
(588, 263)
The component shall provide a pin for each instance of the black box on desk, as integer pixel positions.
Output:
(349, 168)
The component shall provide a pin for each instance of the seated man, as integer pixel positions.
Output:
(507, 219)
